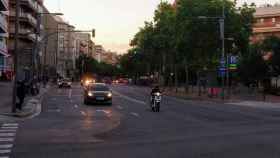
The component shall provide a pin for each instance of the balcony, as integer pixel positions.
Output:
(3, 24)
(4, 5)
(25, 17)
(24, 34)
(31, 4)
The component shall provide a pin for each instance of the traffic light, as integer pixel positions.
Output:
(93, 32)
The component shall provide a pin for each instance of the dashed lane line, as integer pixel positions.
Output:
(135, 114)
(83, 113)
(120, 107)
(4, 156)
(70, 93)
(76, 106)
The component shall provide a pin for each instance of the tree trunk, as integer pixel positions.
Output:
(187, 78)
(176, 77)
(198, 83)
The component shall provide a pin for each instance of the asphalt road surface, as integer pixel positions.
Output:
(67, 128)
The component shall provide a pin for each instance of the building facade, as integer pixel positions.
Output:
(83, 41)
(5, 66)
(28, 30)
(267, 23)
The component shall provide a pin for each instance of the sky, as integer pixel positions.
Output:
(115, 21)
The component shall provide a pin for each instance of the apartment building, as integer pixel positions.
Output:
(83, 43)
(5, 66)
(267, 23)
(28, 29)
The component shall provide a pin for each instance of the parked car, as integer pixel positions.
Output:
(98, 93)
(66, 82)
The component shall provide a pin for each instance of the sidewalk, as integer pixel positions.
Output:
(240, 97)
(6, 93)
(31, 104)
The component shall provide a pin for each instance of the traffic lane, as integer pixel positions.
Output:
(68, 125)
(146, 136)
(202, 110)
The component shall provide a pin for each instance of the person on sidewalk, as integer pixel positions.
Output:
(20, 93)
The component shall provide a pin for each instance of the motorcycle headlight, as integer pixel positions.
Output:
(90, 94)
(157, 94)
(110, 95)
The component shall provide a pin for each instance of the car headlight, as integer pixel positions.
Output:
(110, 95)
(90, 94)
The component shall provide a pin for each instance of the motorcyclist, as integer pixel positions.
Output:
(156, 89)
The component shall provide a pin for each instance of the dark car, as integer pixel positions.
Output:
(64, 83)
(98, 93)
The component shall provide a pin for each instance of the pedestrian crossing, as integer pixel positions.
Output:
(7, 138)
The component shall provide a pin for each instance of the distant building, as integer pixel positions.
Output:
(82, 42)
(267, 23)
(5, 60)
(28, 29)
(98, 51)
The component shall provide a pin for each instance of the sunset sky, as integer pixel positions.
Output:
(115, 21)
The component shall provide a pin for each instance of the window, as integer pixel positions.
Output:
(261, 20)
(273, 20)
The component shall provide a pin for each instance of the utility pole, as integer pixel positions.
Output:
(222, 29)
(16, 56)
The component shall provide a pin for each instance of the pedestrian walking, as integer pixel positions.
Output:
(20, 93)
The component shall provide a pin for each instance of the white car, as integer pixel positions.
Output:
(64, 83)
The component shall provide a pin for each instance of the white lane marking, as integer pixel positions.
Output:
(104, 111)
(7, 139)
(71, 101)
(83, 113)
(5, 151)
(4, 156)
(76, 106)
(130, 99)
(6, 146)
(8, 130)
(70, 93)
(5, 127)
(10, 124)
(119, 107)
(135, 114)
(7, 134)
(54, 99)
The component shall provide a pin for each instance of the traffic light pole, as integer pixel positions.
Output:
(14, 102)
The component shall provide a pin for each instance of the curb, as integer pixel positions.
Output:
(32, 107)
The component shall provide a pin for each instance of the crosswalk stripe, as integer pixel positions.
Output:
(7, 139)
(10, 124)
(6, 146)
(5, 151)
(7, 134)
(8, 130)
(9, 127)
(4, 156)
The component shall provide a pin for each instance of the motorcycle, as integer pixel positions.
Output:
(156, 100)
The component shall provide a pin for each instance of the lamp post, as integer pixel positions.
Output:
(16, 57)
(222, 37)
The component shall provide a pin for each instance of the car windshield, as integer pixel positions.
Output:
(99, 88)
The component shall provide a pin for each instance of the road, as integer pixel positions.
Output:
(183, 129)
